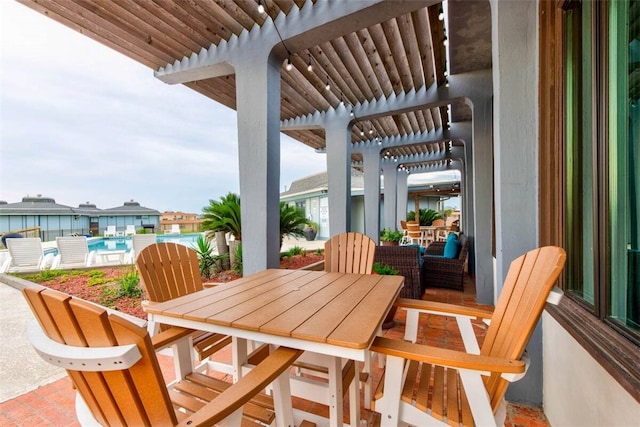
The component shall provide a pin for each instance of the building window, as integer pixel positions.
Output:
(602, 162)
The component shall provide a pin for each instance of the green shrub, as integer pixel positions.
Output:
(296, 250)
(384, 269)
(130, 284)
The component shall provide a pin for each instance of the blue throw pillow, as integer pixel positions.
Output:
(452, 236)
(452, 249)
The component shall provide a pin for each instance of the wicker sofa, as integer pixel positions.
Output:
(440, 272)
(406, 260)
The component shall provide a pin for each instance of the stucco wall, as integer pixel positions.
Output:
(577, 391)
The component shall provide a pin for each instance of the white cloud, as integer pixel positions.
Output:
(80, 122)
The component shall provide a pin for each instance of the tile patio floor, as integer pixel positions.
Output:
(53, 404)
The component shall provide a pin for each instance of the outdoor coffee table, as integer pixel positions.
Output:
(332, 314)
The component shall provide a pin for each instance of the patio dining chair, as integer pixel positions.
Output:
(426, 385)
(170, 270)
(112, 364)
(352, 253)
(349, 253)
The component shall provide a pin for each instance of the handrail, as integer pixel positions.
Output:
(26, 232)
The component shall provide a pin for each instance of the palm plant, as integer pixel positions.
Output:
(223, 215)
(292, 221)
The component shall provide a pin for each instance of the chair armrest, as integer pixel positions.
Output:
(435, 248)
(168, 337)
(242, 391)
(445, 357)
(442, 308)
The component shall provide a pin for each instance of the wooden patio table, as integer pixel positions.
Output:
(333, 314)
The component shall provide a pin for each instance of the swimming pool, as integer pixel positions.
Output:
(100, 244)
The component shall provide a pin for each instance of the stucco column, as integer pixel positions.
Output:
(402, 195)
(371, 160)
(258, 109)
(390, 173)
(338, 135)
(515, 77)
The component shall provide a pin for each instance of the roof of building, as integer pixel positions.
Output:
(319, 182)
(130, 208)
(38, 205)
(42, 205)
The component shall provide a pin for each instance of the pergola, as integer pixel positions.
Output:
(376, 82)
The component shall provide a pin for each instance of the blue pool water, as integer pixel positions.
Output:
(100, 244)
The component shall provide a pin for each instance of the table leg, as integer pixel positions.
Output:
(335, 392)
(239, 356)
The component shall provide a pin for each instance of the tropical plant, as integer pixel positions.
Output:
(292, 221)
(427, 216)
(208, 263)
(237, 259)
(223, 215)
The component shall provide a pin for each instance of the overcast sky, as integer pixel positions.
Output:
(80, 122)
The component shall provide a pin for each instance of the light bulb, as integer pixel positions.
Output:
(309, 67)
(441, 15)
(260, 7)
(328, 86)
(289, 65)
(445, 41)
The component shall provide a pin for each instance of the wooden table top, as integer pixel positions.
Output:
(334, 308)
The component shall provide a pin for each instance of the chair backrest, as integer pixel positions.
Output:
(72, 250)
(25, 252)
(168, 270)
(175, 228)
(526, 288)
(130, 229)
(111, 229)
(349, 253)
(413, 230)
(133, 396)
(141, 241)
(437, 222)
(403, 225)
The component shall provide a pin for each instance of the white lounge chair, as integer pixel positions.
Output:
(25, 254)
(139, 242)
(175, 229)
(72, 252)
(110, 231)
(130, 231)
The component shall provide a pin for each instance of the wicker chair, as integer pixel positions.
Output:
(440, 272)
(406, 260)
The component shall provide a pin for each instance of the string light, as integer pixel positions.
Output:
(328, 86)
(446, 83)
(260, 7)
(309, 66)
(441, 15)
(445, 41)
(289, 65)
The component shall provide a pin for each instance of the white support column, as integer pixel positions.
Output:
(258, 108)
(515, 81)
(402, 196)
(338, 135)
(371, 160)
(390, 173)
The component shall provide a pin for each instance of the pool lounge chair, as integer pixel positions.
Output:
(130, 231)
(73, 252)
(110, 231)
(138, 243)
(25, 255)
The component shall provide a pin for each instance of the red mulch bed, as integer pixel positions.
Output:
(76, 284)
